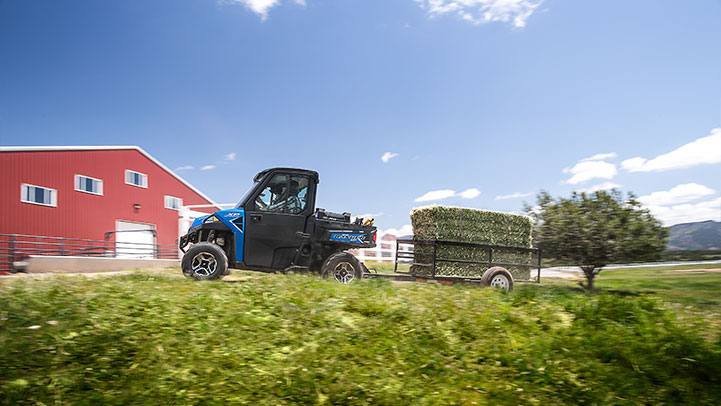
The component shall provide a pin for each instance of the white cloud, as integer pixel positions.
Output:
(601, 157)
(515, 12)
(535, 210)
(586, 170)
(387, 156)
(601, 186)
(261, 7)
(470, 193)
(436, 195)
(517, 195)
(230, 156)
(207, 167)
(683, 193)
(681, 204)
(705, 150)
(406, 229)
(185, 168)
(688, 212)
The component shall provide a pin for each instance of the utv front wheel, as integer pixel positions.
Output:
(342, 267)
(204, 261)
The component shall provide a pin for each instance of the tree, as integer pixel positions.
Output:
(593, 230)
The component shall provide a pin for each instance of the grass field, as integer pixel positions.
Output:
(271, 339)
(697, 285)
(691, 292)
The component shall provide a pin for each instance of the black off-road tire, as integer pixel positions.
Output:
(342, 267)
(204, 261)
(498, 277)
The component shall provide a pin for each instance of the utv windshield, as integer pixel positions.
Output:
(246, 196)
(283, 193)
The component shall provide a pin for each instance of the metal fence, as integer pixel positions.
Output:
(384, 251)
(18, 247)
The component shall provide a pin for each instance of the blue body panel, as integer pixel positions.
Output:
(198, 221)
(228, 217)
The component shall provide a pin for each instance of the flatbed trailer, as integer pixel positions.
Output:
(405, 254)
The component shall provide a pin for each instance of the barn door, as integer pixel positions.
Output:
(134, 240)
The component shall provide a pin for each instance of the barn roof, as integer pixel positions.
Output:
(108, 148)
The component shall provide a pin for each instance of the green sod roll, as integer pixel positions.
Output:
(473, 226)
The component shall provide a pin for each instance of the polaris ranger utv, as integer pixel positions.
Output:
(276, 227)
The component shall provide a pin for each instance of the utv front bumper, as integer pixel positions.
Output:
(185, 240)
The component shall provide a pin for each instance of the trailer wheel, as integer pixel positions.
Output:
(498, 277)
(204, 261)
(342, 267)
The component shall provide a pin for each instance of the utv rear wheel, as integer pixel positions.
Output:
(204, 261)
(342, 267)
(498, 277)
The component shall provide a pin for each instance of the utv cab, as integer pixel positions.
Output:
(276, 227)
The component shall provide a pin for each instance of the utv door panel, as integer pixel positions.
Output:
(277, 211)
(271, 239)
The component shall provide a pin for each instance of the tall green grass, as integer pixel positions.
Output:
(148, 339)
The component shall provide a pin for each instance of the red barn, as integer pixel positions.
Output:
(96, 193)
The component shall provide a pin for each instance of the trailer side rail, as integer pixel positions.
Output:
(407, 256)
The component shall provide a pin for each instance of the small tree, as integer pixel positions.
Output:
(593, 230)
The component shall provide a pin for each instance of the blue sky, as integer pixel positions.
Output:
(470, 100)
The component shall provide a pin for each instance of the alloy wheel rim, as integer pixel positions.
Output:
(204, 264)
(500, 282)
(344, 273)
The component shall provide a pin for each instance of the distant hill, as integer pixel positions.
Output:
(703, 235)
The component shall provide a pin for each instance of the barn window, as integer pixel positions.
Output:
(172, 202)
(38, 195)
(136, 178)
(88, 185)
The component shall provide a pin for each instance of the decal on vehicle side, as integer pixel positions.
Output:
(345, 237)
(232, 215)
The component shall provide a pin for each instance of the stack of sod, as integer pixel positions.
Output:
(474, 226)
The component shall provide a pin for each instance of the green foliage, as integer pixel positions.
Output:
(470, 225)
(147, 339)
(593, 230)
